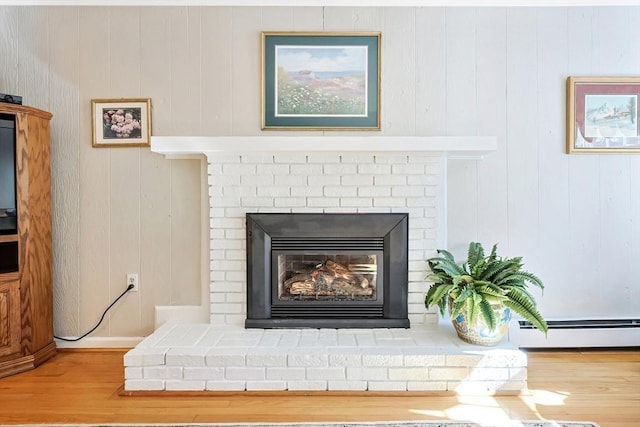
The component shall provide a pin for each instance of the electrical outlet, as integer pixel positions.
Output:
(132, 279)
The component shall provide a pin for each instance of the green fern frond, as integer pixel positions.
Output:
(436, 294)
(525, 307)
(475, 254)
(488, 314)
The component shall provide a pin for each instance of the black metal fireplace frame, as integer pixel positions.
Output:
(385, 231)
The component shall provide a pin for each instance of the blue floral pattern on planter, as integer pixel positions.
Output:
(478, 332)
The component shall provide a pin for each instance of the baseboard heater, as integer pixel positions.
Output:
(578, 333)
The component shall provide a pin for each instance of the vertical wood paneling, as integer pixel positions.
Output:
(461, 119)
(217, 70)
(455, 71)
(492, 120)
(522, 133)
(245, 63)
(398, 59)
(185, 232)
(9, 47)
(65, 153)
(93, 82)
(615, 51)
(431, 69)
(155, 171)
(124, 32)
(553, 162)
(185, 71)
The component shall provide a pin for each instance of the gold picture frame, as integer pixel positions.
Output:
(124, 122)
(602, 115)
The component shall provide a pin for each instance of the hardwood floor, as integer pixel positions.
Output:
(83, 386)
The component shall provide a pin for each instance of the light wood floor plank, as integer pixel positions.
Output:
(83, 386)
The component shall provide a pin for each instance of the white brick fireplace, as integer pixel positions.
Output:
(337, 174)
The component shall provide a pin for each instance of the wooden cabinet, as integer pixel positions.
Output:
(26, 277)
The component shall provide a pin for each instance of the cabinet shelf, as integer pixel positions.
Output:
(8, 238)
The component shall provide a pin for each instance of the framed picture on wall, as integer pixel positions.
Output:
(321, 80)
(602, 115)
(121, 122)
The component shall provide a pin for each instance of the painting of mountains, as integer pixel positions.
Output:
(321, 81)
(611, 116)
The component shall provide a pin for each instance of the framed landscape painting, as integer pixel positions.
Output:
(121, 122)
(602, 115)
(321, 80)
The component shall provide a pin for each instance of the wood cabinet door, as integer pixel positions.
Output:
(10, 329)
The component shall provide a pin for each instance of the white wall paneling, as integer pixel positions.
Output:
(445, 71)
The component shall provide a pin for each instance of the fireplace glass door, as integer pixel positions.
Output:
(351, 276)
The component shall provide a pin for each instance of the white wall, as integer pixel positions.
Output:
(445, 71)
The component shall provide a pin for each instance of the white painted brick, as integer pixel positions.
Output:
(340, 191)
(256, 180)
(448, 374)
(326, 374)
(174, 385)
(273, 170)
(307, 385)
(237, 191)
(423, 180)
(223, 158)
(145, 356)
(245, 374)
(306, 169)
(323, 202)
(290, 202)
(352, 360)
(266, 385)
(347, 386)
(379, 191)
(224, 357)
(390, 201)
(390, 180)
(235, 234)
(413, 202)
(235, 255)
(228, 244)
(307, 360)
(227, 265)
(225, 385)
(290, 158)
(205, 373)
(238, 169)
(226, 286)
(408, 169)
(356, 202)
(257, 202)
(163, 372)
(374, 169)
(186, 356)
(226, 222)
(488, 374)
(427, 360)
(463, 360)
(236, 276)
(340, 169)
(323, 158)
(426, 385)
(150, 385)
(229, 308)
(357, 158)
(275, 191)
(387, 386)
(391, 158)
(221, 202)
(357, 180)
(305, 191)
(290, 180)
(409, 374)
(256, 158)
(133, 373)
(236, 298)
(322, 180)
(286, 374)
(405, 191)
(366, 374)
(266, 357)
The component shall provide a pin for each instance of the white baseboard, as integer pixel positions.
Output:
(574, 338)
(100, 342)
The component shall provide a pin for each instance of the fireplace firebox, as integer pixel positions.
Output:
(327, 270)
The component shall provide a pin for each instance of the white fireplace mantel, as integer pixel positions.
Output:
(454, 146)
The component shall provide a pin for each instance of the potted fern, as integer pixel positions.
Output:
(481, 293)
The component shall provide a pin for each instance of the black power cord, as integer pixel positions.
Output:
(99, 321)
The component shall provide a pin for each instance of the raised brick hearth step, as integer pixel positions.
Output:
(199, 357)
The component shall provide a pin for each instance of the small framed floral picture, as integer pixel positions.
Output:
(121, 122)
